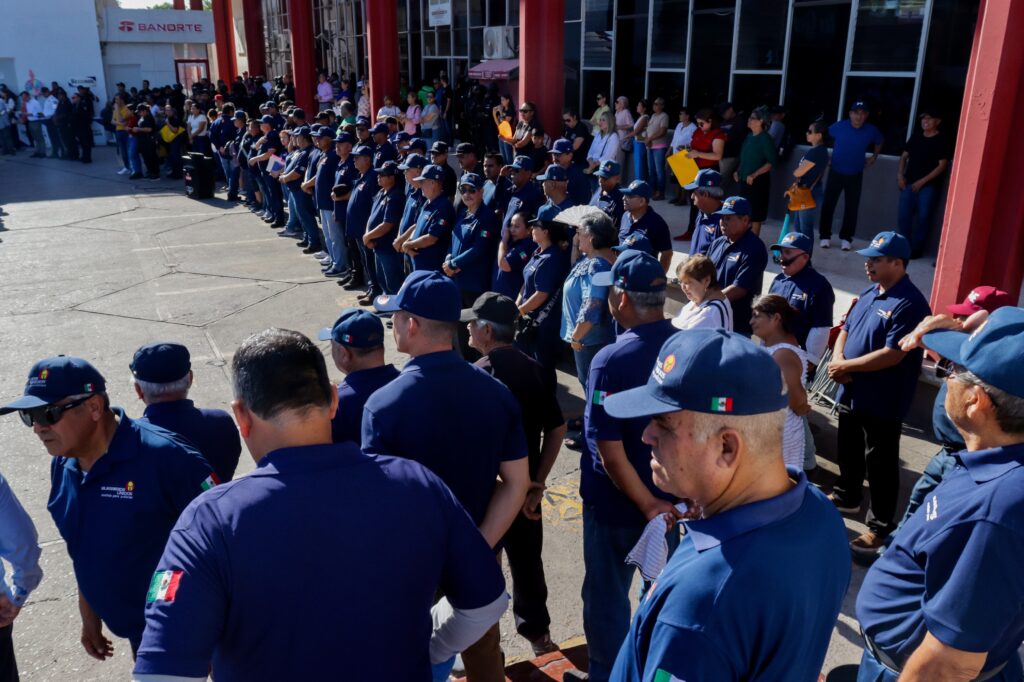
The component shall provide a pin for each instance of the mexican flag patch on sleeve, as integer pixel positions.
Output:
(599, 397)
(164, 586)
(665, 676)
(209, 482)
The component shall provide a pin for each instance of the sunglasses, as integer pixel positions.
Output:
(48, 415)
(468, 190)
(567, 120)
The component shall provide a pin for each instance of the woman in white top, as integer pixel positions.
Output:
(389, 109)
(681, 138)
(605, 145)
(708, 307)
(772, 321)
(198, 130)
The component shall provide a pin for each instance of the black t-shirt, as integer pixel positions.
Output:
(534, 393)
(924, 154)
(579, 156)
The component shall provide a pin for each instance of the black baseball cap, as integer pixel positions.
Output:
(492, 307)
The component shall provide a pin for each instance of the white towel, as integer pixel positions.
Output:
(651, 553)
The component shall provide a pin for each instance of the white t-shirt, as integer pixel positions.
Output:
(384, 112)
(682, 136)
(710, 314)
(793, 440)
(195, 123)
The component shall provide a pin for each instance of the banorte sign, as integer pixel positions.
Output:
(158, 26)
(129, 26)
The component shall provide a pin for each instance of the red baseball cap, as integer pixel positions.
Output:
(981, 298)
(218, 97)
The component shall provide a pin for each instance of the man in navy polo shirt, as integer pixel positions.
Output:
(382, 229)
(344, 179)
(383, 150)
(117, 486)
(877, 380)
(523, 194)
(944, 601)
(755, 586)
(474, 243)
(619, 497)
(609, 199)
(357, 348)
(412, 166)
(268, 145)
(807, 291)
(453, 418)
(357, 214)
(323, 181)
(439, 157)
(852, 138)
(562, 152)
(333, 514)
(299, 202)
(429, 242)
(639, 216)
(740, 260)
(707, 195)
(555, 183)
(162, 374)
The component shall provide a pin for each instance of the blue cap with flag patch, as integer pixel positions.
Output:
(554, 172)
(472, 179)
(633, 271)
(418, 144)
(992, 352)
(431, 172)
(708, 177)
(561, 146)
(521, 163)
(161, 363)
(356, 328)
(608, 169)
(706, 370)
(734, 206)
(53, 379)
(416, 161)
(425, 293)
(795, 240)
(636, 241)
(891, 244)
(638, 188)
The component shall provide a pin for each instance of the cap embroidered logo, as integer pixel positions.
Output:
(346, 338)
(721, 404)
(45, 373)
(669, 364)
(130, 486)
(879, 242)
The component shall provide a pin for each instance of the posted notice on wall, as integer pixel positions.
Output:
(440, 13)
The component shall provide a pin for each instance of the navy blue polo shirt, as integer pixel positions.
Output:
(527, 198)
(706, 229)
(346, 174)
(326, 168)
(650, 224)
(360, 203)
(320, 523)
(452, 417)
(850, 145)
(954, 567)
(741, 263)
(611, 204)
(314, 159)
(385, 152)
(625, 364)
(811, 296)
(880, 320)
(517, 255)
(474, 245)
(503, 191)
(298, 162)
(212, 432)
(436, 218)
(546, 271)
(222, 131)
(387, 208)
(579, 186)
(751, 593)
(116, 517)
(411, 211)
(271, 141)
(353, 392)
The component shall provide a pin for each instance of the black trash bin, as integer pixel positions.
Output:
(200, 175)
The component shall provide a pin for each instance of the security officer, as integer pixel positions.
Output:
(493, 199)
(344, 180)
(755, 586)
(417, 145)
(162, 375)
(877, 383)
(269, 145)
(333, 513)
(117, 486)
(412, 166)
(382, 230)
(707, 196)
(946, 595)
(439, 157)
(428, 243)
(324, 171)
(357, 348)
(383, 149)
(807, 291)
(454, 419)
(615, 479)
(272, 111)
(555, 183)
(522, 192)
(740, 259)
(474, 242)
(465, 153)
(357, 214)
(609, 199)
(515, 252)
(640, 216)
(562, 153)
(363, 136)
(300, 203)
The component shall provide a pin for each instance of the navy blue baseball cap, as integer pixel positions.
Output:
(439, 147)
(362, 122)
(342, 136)
(992, 352)
(302, 131)
(268, 119)
(891, 244)
(325, 131)
(270, 103)
(379, 128)
(708, 177)
(465, 148)
(638, 188)
(53, 379)
(425, 293)
(471, 179)
(706, 370)
(734, 206)
(859, 105)
(633, 271)
(362, 150)
(356, 328)
(400, 136)
(795, 240)
(418, 143)
(521, 163)
(608, 169)
(161, 362)
(554, 172)
(637, 241)
(388, 169)
(240, 116)
(561, 146)
(414, 161)
(431, 172)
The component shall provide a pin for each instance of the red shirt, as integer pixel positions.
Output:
(702, 141)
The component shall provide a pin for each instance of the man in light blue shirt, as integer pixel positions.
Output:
(19, 546)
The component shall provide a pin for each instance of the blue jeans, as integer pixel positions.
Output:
(639, 160)
(251, 184)
(434, 134)
(923, 204)
(334, 241)
(389, 270)
(940, 465)
(507, 152)
(302, 206)
(656, 168)
(804, 221)
(583, 359)
(231, 172)
(134, 160)
(121, 137)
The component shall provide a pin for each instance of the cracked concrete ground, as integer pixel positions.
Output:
(96, 265)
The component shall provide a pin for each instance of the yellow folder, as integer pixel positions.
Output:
(684, 168)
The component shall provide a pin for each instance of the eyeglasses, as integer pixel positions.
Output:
(48, 415)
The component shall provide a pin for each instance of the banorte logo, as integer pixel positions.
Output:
(126, 26)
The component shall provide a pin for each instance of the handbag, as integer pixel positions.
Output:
(800, 198)
(166, 135)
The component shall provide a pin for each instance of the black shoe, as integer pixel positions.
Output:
(233, 198)
(278, 224)
(310, 249)
(269, 219)
(353, 284)
(135, 176)
(303, 244)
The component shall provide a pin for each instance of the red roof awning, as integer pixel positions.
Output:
(495, 70)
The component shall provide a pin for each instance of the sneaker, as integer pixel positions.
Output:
(868, 544)
(289, 234)
(843, 506)
(846, 245)
(543, 645)
(320, 255)
(124, 171)
(333, 273)
(825, 243)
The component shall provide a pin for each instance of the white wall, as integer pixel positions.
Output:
(57, 40)
(155, 63)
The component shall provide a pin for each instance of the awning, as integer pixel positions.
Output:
(495, 70)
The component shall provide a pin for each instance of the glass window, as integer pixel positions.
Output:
(461, 41)
(430, 43)
(593, 83)
(668, 85)
(815, 73)
(572, 64)
(573, 8)
(889, 99)
(460, 14)
(668, 34)
(633, 7)
(403, 16)
(710, 58)
(476, 44)
(476, 13)
(762, 34)
(887, 36)
(750, 91)
(713, 4)
(513, 12)
(597, 42)
(630, 57)
(444, 42)
(946, 59)
(496, 12)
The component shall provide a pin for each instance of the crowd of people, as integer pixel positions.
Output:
(537, 251)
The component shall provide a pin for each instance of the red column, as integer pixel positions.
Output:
(178, 4)
(195, 4)
(983, 228)
(255, 51)
(542, 59)
(382, 52)
(300, 19)
(224, 35)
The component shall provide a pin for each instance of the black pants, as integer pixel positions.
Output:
(67, 138)
(837, 184)
(83, 136)
(147, 150)
(523, 544)
(8, 666)
(870, 445)
(55, 141)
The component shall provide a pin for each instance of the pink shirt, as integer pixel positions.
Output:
(412, 118)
